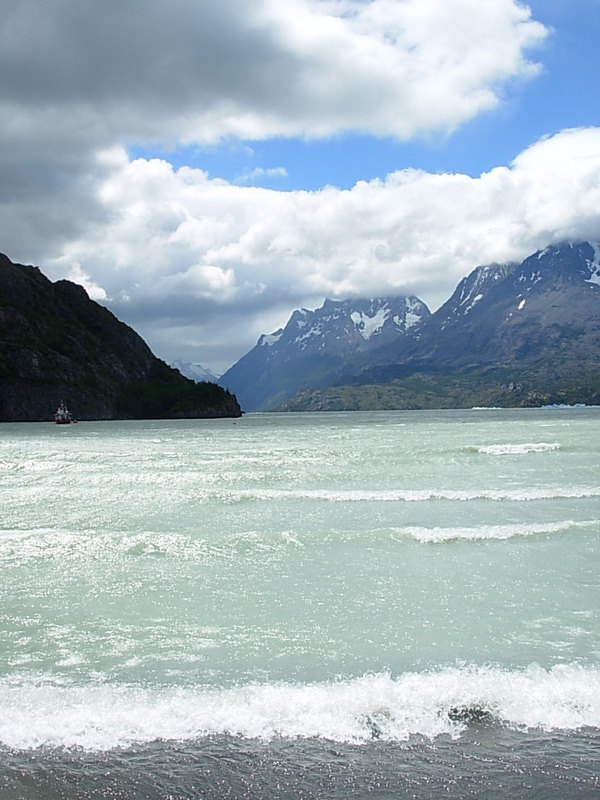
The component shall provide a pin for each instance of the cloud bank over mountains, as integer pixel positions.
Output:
(206, 247)
(200, 265)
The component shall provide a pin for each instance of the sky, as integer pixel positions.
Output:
(204, 168)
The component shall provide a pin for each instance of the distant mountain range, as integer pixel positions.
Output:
(317, 347)
(57, 344)
(195, 372)
(515, 334)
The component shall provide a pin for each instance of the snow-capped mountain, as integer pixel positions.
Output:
(533, 327)
(338, 323)
(315, 346)
(471, 290)
(508, 313)
(536, 324)
(196, 372)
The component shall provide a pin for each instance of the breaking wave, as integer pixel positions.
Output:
(480, 532)
(60, 545)
(41, 712)
(415, 495)
(518, 449)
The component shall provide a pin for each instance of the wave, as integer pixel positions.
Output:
(39, 712)
(480, 532)
(19, 546)
(567, 405)
(413, 495)
(518, 449)
(61, 545)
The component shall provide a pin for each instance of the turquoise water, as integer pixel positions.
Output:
(299, 582)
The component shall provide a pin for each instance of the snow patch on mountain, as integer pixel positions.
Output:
(366, 325)
(311, 333)
(475, 286)
(475, 300)
(414, 313)
(542, 253)
(195, 372)
(594, 266)
(269, 339)
(533, 278)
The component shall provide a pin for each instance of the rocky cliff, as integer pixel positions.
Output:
(57, 344)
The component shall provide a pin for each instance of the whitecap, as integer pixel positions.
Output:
(412, 495)
(36, 711)
(499, 532)
(518, 449)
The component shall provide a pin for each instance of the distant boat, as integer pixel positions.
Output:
(62, 415)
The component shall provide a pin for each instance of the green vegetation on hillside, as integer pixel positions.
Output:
(421, 391)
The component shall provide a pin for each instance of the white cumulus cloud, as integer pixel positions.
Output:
(202, 255)
(201, 266)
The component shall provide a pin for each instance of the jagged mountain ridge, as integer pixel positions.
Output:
(510, 334)
(57, 344)
(315, 347)
(540, 311)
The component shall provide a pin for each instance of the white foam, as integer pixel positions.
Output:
(38, 712)
(414, 495)
(49, 543)
(480, 532)
(518, 449)
(64, 546)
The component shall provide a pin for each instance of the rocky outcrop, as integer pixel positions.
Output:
(57, 344)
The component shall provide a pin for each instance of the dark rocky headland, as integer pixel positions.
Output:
(57, 344)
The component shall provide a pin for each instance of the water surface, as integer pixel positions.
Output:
(391, 604)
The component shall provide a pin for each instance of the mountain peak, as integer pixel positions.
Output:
(567, 261)
(472, 289)
(536, 322)
(316, 345)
